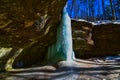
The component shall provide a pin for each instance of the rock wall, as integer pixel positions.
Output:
(106, 38)
(91, 40)
(30, 25)
(82, 38)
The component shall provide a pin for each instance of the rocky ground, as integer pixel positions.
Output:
(92, 69)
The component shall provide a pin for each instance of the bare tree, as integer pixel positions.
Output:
(113, 11)
(103, 7)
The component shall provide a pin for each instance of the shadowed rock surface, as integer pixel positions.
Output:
(31, 25)
(106, 38)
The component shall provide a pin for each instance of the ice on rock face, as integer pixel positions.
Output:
(62, 49)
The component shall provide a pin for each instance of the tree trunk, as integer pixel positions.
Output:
(113, 11)
(103, 7)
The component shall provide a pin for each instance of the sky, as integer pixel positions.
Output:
(81, 11)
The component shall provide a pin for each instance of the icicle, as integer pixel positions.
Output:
(62, 49)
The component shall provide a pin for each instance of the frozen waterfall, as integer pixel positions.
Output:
(63, 48)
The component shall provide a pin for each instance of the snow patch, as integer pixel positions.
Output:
(106, 22)
(99, 22)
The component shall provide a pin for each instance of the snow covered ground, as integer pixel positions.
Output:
(81, 70)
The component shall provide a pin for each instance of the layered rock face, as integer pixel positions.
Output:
(91, 40)
(30, 25)
(106, 38)
(82, 38)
